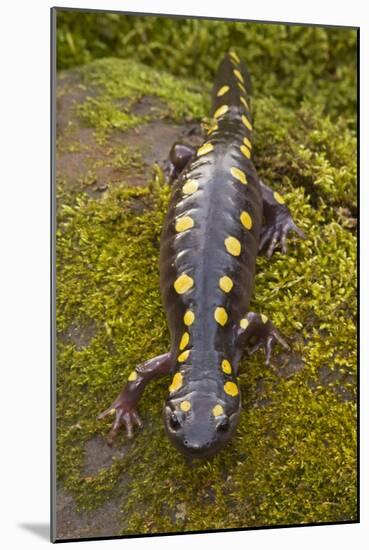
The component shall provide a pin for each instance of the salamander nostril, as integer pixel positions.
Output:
(208, 444)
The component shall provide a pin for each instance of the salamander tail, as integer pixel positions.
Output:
(232, 85)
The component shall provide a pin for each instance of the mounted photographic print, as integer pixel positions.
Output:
(204, 352)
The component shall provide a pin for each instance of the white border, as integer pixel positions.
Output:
(24, 285)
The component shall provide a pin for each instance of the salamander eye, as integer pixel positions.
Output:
(223, 425)
(174, 422)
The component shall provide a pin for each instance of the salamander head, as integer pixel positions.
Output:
(200, 424)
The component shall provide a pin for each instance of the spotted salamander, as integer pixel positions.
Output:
(220, 215)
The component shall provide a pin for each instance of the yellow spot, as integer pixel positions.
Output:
(238, 75)
(188, 318)
(218, 410)
(221, 111)
(278, 198)
(183, 283)
(245, 151)
(221, 316)
(247, 142)
(233, 246)
(213, 128)
(184, 356)
(246, 122)
(205, 149)
(231, 389)
(238, 174)
(185, 406)
(244, 323)
(234, 56)
(246, 220)
(133, 376)
(242, 87)
(176, 382)
(226, 283)
(226, 366)
(184, 223)
(264, 318)
(223, 90)
(190, 187)
(112, 411)
(244, 102)
(184, 340)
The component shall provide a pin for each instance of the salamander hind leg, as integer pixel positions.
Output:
(125, 406)
(278, 222)
(179, 157)
(257, 331)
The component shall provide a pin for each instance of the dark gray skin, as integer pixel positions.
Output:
(202, 410)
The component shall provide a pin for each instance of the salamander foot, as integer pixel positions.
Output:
(125, 405)
(277, 232)
(268, 343)
(124, 415)
(278, 221)
(258, 332)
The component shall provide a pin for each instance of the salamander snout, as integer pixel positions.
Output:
(199, 425)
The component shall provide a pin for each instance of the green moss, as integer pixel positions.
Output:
(121, 157)
(293, 459)
(121, 85)
(314, 151)
(103, 115)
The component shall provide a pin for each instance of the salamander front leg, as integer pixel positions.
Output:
(278, 221)
(179, 156)
(257, 331)
(125, 406)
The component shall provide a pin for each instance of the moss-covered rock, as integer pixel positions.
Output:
(293, 459)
